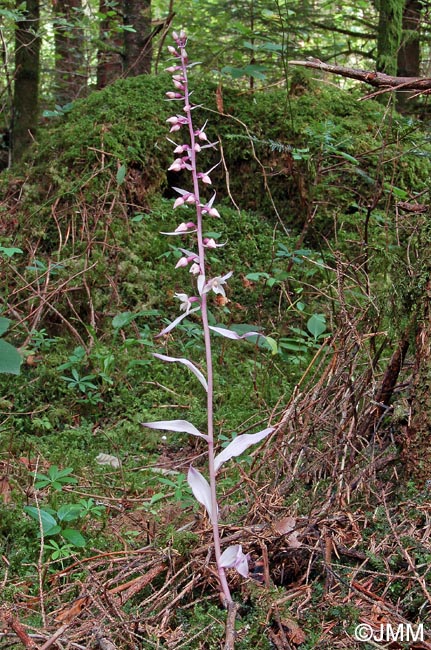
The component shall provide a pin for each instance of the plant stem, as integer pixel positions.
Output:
(207, 340)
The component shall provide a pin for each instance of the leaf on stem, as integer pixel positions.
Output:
(182, 426)
(201, 490)
(230, 334)
(175, 322)
(187, 363)
(240, 444)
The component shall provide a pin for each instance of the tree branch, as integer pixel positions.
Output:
(373, 78)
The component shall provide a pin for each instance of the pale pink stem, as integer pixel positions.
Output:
(207, 340)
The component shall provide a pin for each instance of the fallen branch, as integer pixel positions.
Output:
(373, 78)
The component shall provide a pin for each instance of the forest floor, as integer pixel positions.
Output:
(103, 545)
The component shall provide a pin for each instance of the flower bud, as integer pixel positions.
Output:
(181, 262)
(195, 269)
(179, 201)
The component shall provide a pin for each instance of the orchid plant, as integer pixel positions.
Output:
(187, 153)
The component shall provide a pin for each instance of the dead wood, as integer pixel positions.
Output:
(371, 77)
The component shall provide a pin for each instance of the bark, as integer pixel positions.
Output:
(111, 44)
(138, 47)
(70, 73)
(409, 52)
(389, 35)
(26, 86)
(377, 79)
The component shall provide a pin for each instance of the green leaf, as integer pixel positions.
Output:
(121, 320)
(48, 521)
(121, 174)
(74, 537)
(255, 277)
(4, 325)
(54, 530)
(316, 325)
(9, 252)
(10, 359)
(272, 344)
(69, 512)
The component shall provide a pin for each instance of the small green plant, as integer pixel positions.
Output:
(9, 251)
(296, 348)
(180, 487)
(55, 478)
(54, 523)
(84, 384)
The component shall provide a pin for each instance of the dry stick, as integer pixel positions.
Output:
(54, 637)
(230, 626)
(16, 626)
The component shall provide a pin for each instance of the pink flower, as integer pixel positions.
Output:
(186, 301)
(204, 178)
(177, 121)
(185, 197)
(183, 261)
(200, 133)
(213, 212)
(179, 164)
(181, 148)
(209, 242)
(234, 558)
(184, 227)
(195, 269)
(186, 259)
(215, 284)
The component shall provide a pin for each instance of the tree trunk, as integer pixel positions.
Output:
(389, 35)
(111, 44)
(409, 52)
(138, 48)
(26, 86)
(70, 74)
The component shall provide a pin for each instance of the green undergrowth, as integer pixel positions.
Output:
(94, 196)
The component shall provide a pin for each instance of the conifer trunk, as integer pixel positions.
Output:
(138, 49)
(389, 35)
(26, 81)
(70, 74)
(111, 44)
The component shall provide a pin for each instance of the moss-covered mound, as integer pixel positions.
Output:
(303, 162)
